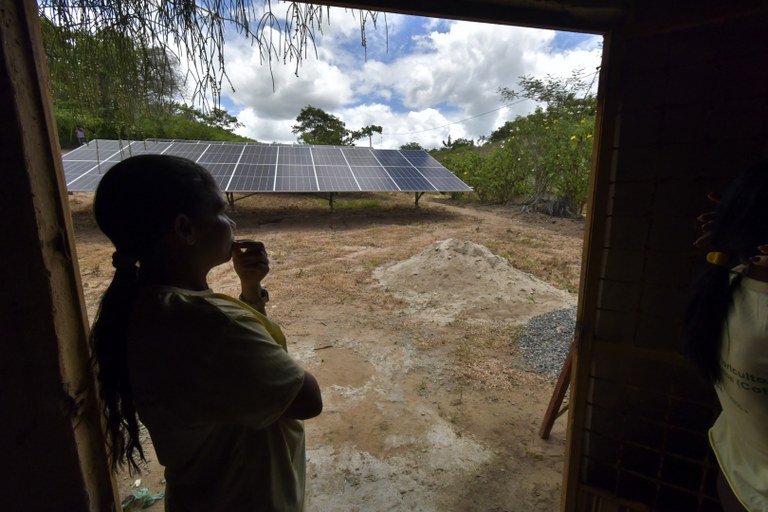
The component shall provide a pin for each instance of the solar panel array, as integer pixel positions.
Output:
(253, 167)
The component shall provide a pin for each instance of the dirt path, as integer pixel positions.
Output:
(408, 318)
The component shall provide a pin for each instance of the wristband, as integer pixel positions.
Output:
(264, 296)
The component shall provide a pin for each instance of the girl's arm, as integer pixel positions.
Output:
(308, 403)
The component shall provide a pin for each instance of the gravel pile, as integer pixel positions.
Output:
(545, 340)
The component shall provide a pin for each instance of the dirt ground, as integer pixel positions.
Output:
(408, 318)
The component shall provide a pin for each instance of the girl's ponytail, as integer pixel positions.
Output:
(109, 342)
(705, 317)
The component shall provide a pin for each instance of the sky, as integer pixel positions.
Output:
(420, 79)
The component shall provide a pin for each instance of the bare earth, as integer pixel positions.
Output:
(408, 318)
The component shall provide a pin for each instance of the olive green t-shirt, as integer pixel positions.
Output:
(211, 379)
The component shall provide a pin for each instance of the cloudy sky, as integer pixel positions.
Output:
(420, 79)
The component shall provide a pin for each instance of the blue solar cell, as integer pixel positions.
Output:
(360, 157)
(76, 168)
(420, 158)
(376, 184)
(336, 178)
(391, 158)
(184, 150)
(290, 155)
(88, 179)
(295, 170)
(337, 184)
(81, 153)
(403, 172)
(148, 147)
(324, 150)
(254, 170)
(415, 184)
(334, 170)
(89, 183)
(221, 155)
(220, 169)
(434, 172)
(328, 156)
(295, 184)
(255, 183)
(259, 155)
(370, 172)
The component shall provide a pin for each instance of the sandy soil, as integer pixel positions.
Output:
(408, 318)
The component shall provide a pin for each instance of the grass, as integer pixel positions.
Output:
(482, 357)
(357, 204)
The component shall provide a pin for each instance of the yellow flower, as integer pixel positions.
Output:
(573, 137)
(589, 135)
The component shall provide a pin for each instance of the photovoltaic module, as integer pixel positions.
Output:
(254, 167)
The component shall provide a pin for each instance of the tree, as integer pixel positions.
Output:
(108, 99)
(458, 143)
(564, 97)
(366, 131)
(194, 29)
(141, 106)
(316, 126)
(216, 118)
(411, 145)
(554, 143)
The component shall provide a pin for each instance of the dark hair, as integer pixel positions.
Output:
(740, 225)
(135, 205)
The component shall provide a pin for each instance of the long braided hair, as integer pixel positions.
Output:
(740, 225)
(135, 205)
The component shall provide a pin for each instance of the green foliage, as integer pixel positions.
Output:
(98, 96)
(194, 29)
(112, 64)
(316, 126)
(459, 143)
(163, 125)
(188, 124)
(357, 204)
(216, 118)
(366, 131)
(542, 159)
(411, 145)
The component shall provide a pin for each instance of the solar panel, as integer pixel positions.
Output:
(254, 167)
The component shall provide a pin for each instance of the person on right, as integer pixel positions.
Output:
(726, 335)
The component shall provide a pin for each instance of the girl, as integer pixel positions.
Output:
(207, 374)
(726, 333)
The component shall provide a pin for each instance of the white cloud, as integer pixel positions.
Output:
(447, 72)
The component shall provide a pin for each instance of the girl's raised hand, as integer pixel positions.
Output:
(251, 262)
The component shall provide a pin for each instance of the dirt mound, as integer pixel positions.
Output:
(454, 277)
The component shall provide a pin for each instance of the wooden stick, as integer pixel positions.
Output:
(553, 410)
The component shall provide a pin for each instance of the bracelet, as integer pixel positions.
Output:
(264, 296)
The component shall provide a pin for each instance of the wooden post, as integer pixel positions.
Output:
(553, 410)
(51, 435)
